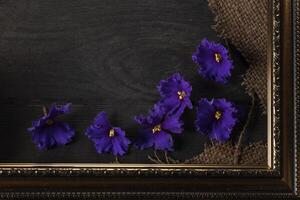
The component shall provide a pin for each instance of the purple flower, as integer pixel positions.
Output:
(156, 129)
(46, 132)
(213, 60)
(175, 93)
(215, 118)
(107, 138)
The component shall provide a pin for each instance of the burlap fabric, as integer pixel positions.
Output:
(223, 153)
(244, 24)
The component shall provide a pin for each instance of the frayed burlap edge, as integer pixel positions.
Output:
(244, 24)
(222, 153)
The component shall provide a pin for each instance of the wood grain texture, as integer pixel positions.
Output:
(102, 55)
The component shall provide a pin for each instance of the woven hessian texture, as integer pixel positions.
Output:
(223, 153)
(244, 24)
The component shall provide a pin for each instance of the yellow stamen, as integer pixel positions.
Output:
(218, 57)
(111, 133)
(218, 115)
(181, 94)
(156, 128)
(49, 122)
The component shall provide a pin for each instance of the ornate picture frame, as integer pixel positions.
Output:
(279, 179)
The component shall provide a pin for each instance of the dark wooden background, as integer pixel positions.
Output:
(103, 55)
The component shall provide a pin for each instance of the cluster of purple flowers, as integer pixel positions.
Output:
(163, 119)
(215, 117)
(48, 132)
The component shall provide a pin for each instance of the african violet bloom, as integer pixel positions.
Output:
(213, 60)
(156, 129)
(107, 138)
(215, 118)
(175, 93)
(46, 132)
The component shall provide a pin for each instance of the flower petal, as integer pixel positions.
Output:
(119, 145)
(172, 124)
(168, 87)
(163, 141)
(220, 133)
(58, 133)
(42, 138)
(101, 121)
(100, 127)
(56, 110)
(204, 116)
(62, 133)
(144, 139)
(119, 142)
(103, 145)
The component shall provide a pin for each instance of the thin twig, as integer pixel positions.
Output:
(154, 160)
(173, 161)
(239, 143)
(156, 156)
(166, 157)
